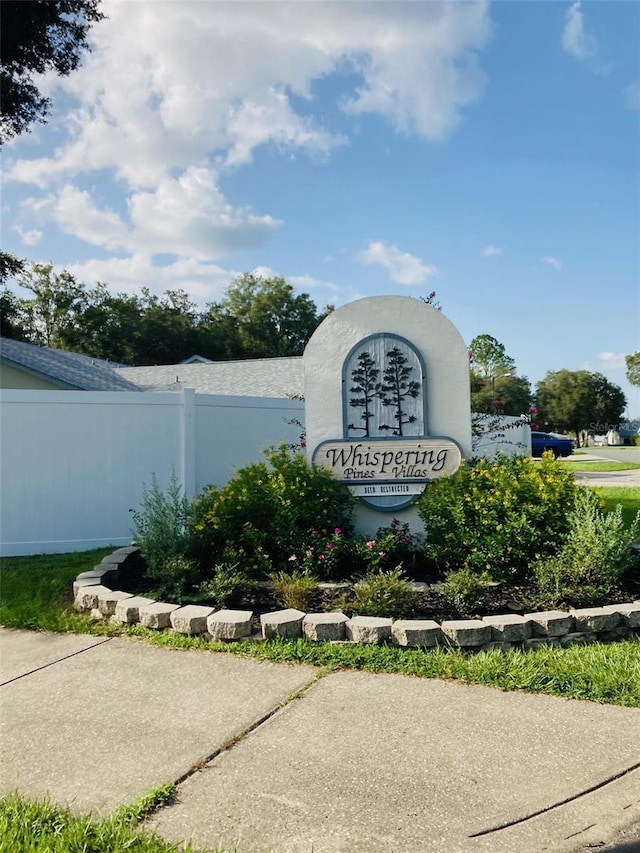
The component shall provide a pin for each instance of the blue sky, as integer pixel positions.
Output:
(489, 152)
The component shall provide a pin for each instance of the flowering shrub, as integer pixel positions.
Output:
(325, 557)
(393, 546)
(272, 506)
(498, 515)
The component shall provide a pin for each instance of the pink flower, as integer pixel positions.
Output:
(337, 531)
(382, 553)
(309, 553)
(330, 545)
(303, 443)
(321, 556)
(292, 558)
(371, 543)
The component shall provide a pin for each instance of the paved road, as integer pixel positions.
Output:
(278, 759)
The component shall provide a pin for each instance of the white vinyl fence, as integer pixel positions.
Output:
(74, 463)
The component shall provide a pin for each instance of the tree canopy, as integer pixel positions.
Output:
(489, 357)
(35, 37)
(579, 402)
(633, 368)
(256, 318)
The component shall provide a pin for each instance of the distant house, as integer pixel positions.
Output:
(37, 368)
(32, 367)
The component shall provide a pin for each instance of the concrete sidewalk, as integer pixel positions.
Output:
(357, 762)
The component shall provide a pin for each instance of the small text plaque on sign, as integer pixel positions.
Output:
(390, 462)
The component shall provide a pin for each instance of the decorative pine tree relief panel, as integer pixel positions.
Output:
(383, 389)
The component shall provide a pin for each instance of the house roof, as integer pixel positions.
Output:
(68, 369)
(264, 377)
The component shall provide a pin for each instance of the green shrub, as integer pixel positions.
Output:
(383, 594)
(595, 555)
(293, 590)
(230, 583)
(273, 506)
(161, 531)
(497, 515)
(465, 590)
(324, 557)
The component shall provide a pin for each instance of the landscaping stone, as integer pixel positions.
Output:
(323, 627)
(497, 647)
(156, 615)
(127, 610)
(630, 613)
(550, 623)
(578, 638)
(78, 584)
(466, 632)
(229, 624)
(108, 600)
(190, 619)
(419, 586)
(536, 642)
(420, 633)
(122, 555)
(86, 597)
(282, 623)
(368, 629)
(95, 614)
(615, 634)
(509, 628)
(595, 619)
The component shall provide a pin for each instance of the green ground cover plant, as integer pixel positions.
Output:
(40, 825)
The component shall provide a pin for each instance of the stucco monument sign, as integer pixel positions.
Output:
(387, 400)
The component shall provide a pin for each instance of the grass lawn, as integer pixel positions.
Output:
(601, 466)
(36, 593)
(627, 496)
(39, 825)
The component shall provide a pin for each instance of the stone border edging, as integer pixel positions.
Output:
(553, 628)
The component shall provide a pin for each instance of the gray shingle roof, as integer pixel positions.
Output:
(264, 377)
(69, 369)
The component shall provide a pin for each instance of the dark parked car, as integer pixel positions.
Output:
(541, 441)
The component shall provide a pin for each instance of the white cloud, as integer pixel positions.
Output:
(174, 95)
(402, 267)
(203, 282)
(579, 43)
(552, 262)
(631, 95)
(185, 216)
(29, 238)
(575, 39)
(612, 360)
(490, 250)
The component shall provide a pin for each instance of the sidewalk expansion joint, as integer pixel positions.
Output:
(54, 662)
(238, 738)
(557, 805)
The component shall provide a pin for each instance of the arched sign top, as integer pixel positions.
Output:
(384, 389)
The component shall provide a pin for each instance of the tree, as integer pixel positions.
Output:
(633, 368)
(58, 300)
(578, 402)
(489, 357)
(268, 318)
(365, 379)
(36, 37)
(505, 395)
